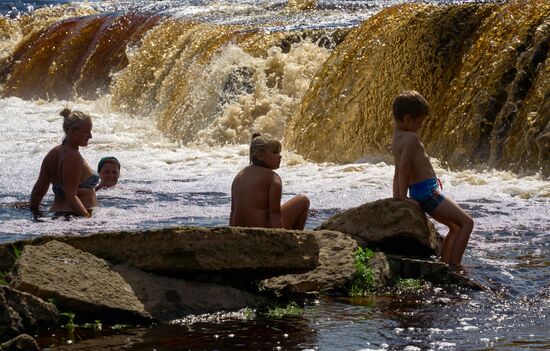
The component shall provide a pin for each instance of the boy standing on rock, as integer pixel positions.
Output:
(415, 173)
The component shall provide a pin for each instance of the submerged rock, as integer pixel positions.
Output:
(78, 282)
(23, 342)
(435, 272)
(391, 226)
(336, 268)
(21, 312)
(167, 299)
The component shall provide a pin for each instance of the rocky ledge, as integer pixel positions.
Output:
(141, 277)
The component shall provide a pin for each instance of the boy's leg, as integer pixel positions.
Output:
(295, 212)
(448, 242)
(460, 227)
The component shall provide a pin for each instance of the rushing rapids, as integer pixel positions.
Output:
(483, 67)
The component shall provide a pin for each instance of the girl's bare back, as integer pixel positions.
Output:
(250, 193)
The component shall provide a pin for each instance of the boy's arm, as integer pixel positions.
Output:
(275, 219)
(395, 182)
(404, 169)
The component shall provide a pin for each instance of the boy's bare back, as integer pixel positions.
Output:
(256, 193)
(415, 175)
(409, 154)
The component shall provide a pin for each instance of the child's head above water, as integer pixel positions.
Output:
(410, 102)
(109, 171)
(260, 144)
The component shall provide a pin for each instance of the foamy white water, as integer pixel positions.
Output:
(164, 183)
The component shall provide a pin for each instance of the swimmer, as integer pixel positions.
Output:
(256, 191)
(109, 171)
(73, 181)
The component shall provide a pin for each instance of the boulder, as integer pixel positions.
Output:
(21, 312)
(255, 252)
(78, 282)
(23, 342)
(167, 299)
(336, 268)
(435, 272)
(389, 225)
(380, 269)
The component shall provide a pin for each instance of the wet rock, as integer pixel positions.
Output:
(381, 270)
(254, 253)
(23, 342)
(167, 299)
(391, 226)
(78, 282)
(301, 4)
(21, 312)
(435, 272)
(336, 268)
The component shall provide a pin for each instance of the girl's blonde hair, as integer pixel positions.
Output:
(261, 143)
(73, 118)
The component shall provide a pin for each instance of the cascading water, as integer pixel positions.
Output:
(177, 87)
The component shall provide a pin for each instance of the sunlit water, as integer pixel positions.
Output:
(166, 184)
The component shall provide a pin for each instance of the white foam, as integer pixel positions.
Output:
(164, 183)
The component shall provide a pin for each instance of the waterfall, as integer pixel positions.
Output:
(327, 91)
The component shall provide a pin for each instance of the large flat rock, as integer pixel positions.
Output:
(167, 299)
(336, 268)
(392, 226)
(78, 282)
(255, 252)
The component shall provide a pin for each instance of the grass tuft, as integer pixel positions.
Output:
(363, 283)
(409, 285)
(292, 309)
(3, 278)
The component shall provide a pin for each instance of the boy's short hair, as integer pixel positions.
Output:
(410, 102)
(108, 159)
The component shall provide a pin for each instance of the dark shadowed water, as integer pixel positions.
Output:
(165, 184)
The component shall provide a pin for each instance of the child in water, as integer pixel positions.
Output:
(256, 191)
(414, 172)
(108, 169)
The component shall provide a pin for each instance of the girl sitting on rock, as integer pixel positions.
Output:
(256, 191)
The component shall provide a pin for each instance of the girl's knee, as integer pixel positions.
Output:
(468, 223)
(304, 200)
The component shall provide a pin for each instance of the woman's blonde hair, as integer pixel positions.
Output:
(73, 118)
(261, 143)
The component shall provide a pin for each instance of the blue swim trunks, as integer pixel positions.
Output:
(427, 193)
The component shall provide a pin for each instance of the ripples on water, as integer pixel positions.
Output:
(164, 184)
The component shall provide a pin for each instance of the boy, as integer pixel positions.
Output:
(108, 169)
(413, 171)
(256, 191)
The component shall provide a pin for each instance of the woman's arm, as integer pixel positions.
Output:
(231, 214)
(40, 188)
(72, 171)
(396, 182)
(275, 218)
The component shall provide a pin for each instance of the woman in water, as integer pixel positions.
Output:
(256, 191)
(73, 181)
